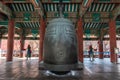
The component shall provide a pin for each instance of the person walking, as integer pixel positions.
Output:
(91, 54)
(29, 52)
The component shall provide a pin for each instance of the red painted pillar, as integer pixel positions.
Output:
(22, 41)
(100, 44)
(112, 33)
(0, 40)
(10, 40)
(41, 33)
(80, 39)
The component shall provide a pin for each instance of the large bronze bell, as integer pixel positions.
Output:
(60, 46)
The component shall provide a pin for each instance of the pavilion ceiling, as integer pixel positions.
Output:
(27, 13)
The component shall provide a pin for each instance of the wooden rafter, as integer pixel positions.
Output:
(116, 12)
(86, 10)
(34, 3)
(84, 7)
(5, 10)
(38, 6)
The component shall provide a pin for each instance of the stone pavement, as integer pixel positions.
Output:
(21, 69)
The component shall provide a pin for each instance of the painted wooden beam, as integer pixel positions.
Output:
(102, 14)
(74, 20)
(32, 16)
(84, 7)
(116, 12)
(3, 23)
(74, 14)
(64, 1)
(38, 6)
(88, 17)
(37, 38)
(67, 14)
(21, 14)
(5, 10)
(31, 20)
(103, 20)
(102, 17)
(107, 1)
(16, 1)
(35, 3)
(86, 20)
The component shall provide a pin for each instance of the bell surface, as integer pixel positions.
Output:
(60, 46)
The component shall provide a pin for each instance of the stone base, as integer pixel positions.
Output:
(61, 68)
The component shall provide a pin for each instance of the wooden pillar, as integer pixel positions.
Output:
(10, 42)
(112, 34)
(100, 44)
(22, 41)
(80, 39)
(41, 33)
(0, 39)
